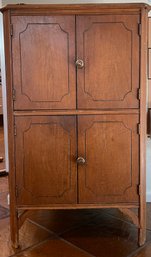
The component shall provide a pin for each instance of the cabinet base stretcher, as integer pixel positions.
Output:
(21, 215)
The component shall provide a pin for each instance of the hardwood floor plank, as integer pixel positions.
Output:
(54, 247)
(145, 252)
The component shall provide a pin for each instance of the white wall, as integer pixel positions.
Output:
(2, 64)
(148, 167)
(5, 2)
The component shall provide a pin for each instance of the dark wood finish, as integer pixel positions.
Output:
(149, 122)
(116, 124)
(100, 140)
(110, 76)
(48, 81)
(45, 160)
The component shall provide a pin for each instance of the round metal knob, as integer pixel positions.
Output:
(1, 159)
(80, 160)
(79, 63)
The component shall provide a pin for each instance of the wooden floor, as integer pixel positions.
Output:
(81, 233)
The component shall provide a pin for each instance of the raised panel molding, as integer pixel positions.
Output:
(88, 88)
(45, 128)
(110, 185)
(57, 30)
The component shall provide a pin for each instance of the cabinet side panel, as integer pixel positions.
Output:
(143, 118)
(11, 152)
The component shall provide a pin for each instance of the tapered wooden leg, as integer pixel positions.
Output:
(14, 231)
(142, 236)
(142, 221)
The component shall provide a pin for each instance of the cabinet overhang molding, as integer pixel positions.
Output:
(29, 9)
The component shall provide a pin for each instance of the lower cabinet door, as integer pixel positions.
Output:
(110, 146)
(46, 170)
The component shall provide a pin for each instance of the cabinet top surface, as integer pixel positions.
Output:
(74, 7)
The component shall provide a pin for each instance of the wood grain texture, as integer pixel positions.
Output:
(77, 112)
(12, 181)
(92, 230)
(110, 77)
(143, 118)
(149, 32)
(75, 8)
(109, 174)
(46, 166)
(44, 73)
(149, 93)
(51, 132)
(77, 206)
(131, 215)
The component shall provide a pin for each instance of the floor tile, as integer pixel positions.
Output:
(3, 184)
(4, 212)
(4, 199)
(63, 220)
(105, 236)
(145, 252)
(30, 234)
(55, 247)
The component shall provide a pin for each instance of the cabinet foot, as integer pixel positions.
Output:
(142, 236)
(14, 230)
(15, 245)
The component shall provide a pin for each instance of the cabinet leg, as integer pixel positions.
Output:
(142, 236)
(14, 231)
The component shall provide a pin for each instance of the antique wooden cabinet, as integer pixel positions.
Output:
(76, 97)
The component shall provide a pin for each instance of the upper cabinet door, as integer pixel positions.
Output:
(109, 47)
(43, 51)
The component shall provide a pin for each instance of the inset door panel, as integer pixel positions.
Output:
(44, 72)
(45, 160)
(109, 48)
(110, 146)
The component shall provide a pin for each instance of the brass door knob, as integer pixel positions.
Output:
(79, 63)
(80, 160)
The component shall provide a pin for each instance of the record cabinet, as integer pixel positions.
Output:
(76, 99)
